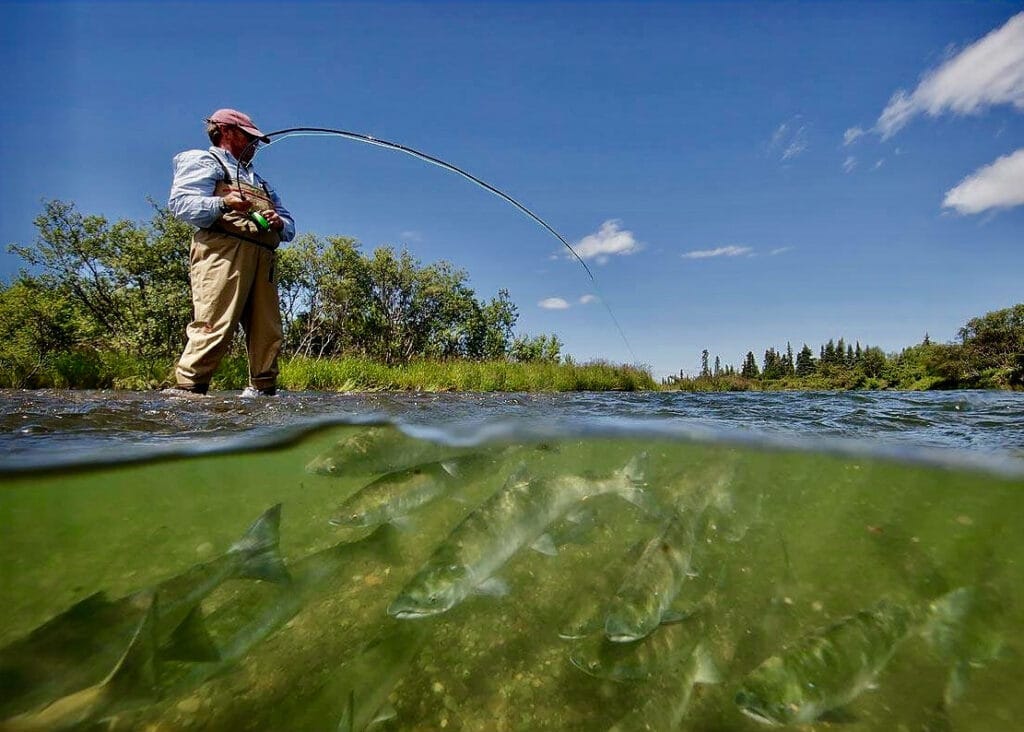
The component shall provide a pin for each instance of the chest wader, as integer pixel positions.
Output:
(231, 265)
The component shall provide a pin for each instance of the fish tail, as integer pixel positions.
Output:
(348, 716)
(632, 486)
(635, 470)
(259, 552)
(706, 670)
(191, 640)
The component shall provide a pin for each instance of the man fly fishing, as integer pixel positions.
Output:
(239, 225)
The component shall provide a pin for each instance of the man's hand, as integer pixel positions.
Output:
(234, 201)
(275, 221)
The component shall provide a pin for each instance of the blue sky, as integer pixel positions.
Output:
(738, 175)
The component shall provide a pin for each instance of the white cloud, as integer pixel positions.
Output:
(987, 72)
(851, 135)
(849, 164)
(794, 148)
(997, 185)
(780, 250)
(553, 303)
(608, 241)
(789, 139)
(879, 163)
(588, 299)
(411, 236)
(729, 251)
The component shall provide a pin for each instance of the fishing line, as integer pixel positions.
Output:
(370, 140)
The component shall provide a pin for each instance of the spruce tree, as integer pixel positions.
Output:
(749, 370)
(805, 362)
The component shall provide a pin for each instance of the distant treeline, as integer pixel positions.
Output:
(106, 305)
(988, 354)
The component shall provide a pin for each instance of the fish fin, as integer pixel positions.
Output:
(451, 467)
(839, 715)
(636, 469)
(383, 714)
(259, 547)
(640, 498)
(707, 671)
(492, 586)
(520, 473)
(675, 616)
(87, 606)
(136, 672)
(403, 523)
(191, 640)
(956, 685)
(581, 516)
(545, 545)
(580, 630)
(348, 717)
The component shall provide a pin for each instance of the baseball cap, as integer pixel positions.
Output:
(239, 119)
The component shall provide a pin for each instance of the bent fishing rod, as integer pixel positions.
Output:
(370, 140)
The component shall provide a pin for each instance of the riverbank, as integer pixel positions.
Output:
(841, 380)
(87, 369)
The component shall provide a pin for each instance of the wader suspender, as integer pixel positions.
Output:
(227, 180)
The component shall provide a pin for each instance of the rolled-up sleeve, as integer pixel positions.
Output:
(192, 199)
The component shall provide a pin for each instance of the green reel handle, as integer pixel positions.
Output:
(260, 220)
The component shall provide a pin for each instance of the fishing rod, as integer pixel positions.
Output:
(370, 140)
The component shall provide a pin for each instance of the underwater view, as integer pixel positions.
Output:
(448, 570)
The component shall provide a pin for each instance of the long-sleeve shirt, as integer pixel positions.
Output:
(196, 175)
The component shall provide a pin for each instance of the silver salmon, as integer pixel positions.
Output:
(516, 515)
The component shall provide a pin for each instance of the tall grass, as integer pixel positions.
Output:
(356, 374)
(90, 369)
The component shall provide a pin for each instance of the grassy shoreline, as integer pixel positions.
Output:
(843, 382)
(87, 369)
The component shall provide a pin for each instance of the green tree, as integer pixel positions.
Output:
(324, 286)
(498, 317)
(749, 369)
(774, 365)
(805, 364)
(128, 284)
(994, 343)
(828, 353)
(544, 348)
(35, 325)
(387, 306)
(872, 361)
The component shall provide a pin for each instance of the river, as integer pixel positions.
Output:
(802, 510)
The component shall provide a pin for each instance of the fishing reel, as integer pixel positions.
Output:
(260, 220)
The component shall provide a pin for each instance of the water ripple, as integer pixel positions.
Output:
(54, 428)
